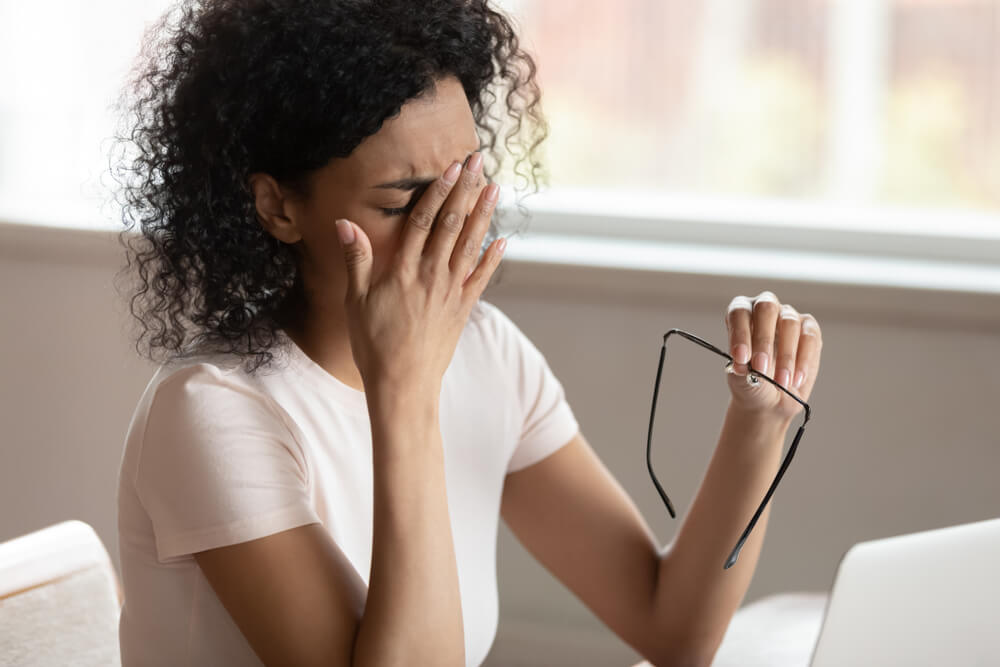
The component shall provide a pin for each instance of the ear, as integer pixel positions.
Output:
(273, 209)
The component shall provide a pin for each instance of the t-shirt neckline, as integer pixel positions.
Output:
(348, 396)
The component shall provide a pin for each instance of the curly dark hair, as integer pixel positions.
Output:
(226, 88)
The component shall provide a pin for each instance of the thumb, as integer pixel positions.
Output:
(357, 256)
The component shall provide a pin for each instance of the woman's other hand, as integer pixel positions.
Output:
(778, 341)
(404, 327)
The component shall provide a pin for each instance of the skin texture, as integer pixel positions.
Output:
(377, 285)
(421, 143)
(672, 604)
(380, 294)
(227, 88)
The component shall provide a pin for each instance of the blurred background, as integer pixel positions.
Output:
(890, 102)
(842, 153)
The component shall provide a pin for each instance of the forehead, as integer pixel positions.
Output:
(427, 135)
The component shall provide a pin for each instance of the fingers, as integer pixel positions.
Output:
(423, 215)
(779, 341)
(766, 334)
(480, 277)
(766, 308)
(787, 346)
(357, 256)
(808, 355)
(738, 324)
(470, 241)
(452, 217)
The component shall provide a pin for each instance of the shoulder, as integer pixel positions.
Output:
(210, 394)
(202, 378)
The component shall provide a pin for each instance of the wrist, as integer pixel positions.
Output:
(757, 420)
(403, 402)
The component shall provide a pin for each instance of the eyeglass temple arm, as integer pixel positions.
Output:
(781, 470)
(760, 510)
(652, 412)
(649, 434)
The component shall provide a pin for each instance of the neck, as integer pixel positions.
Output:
(321, 333)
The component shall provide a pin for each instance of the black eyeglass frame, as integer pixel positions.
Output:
(754, 376)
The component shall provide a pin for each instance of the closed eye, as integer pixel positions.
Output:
(393, 212)
(418, 192)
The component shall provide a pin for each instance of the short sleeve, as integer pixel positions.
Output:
(547, 422)
(217, 465)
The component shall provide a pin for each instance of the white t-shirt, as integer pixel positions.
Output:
(215, 456)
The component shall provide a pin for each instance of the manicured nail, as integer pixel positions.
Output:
(760, 362)
(741, 354)
(501, 246)
(800, 377)
(783, 377)
(451, 175)
(345, 231)
(476, 162)
(492, 192)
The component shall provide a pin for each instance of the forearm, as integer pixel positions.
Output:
(413, 614)
(695, 598)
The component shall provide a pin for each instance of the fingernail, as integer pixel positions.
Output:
(741, 354)
(501, 245)
(783, 377)
(451, 175)
(345, 231)
(800, 377)
(760, 362)
(492, 192)
(476, 162)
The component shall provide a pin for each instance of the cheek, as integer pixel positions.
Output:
(385, 237)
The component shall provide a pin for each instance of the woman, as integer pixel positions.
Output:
(315, 474)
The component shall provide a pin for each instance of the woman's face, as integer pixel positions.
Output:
(375, 185)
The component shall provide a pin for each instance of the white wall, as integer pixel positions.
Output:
(903, 438)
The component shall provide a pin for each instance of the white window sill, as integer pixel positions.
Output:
(750, 262)
(927, 274)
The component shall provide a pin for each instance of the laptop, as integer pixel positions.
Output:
(928, 598)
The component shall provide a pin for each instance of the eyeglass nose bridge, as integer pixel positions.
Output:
(784, 464)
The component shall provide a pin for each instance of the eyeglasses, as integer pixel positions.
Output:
(753, 376)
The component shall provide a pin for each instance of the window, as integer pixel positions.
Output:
(769, 104)
(851, 126)
(62, 65)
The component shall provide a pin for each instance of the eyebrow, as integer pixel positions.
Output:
(410, 184)
(406, 184)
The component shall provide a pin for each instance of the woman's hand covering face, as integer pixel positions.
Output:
(404, 325)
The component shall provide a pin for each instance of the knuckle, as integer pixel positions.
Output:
(740, 307)
(403, 271)
(451, 223)
(354, 256)
(422, 219)
(767, 295)
(441, 189)
(789, 313)
(431, 273)
(739, 303)
(470, 248)
(766, 307)
(469, 180)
